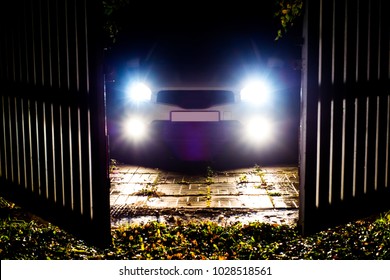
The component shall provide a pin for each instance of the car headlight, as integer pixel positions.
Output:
(256, 92)
(135, 128)
(139, 92)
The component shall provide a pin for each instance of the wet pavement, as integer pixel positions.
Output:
(267, 194)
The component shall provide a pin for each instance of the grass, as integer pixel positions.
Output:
(243, 179)
(275, 194)
(150, 189)
(23, 236)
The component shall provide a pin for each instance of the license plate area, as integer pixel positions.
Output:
(195, 116)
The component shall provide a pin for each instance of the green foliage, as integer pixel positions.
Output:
(113, 166)
(275, 194)
(21, 239)
(209, 176)
(288, 12)
(209, 172)
(112, 25)
(150, 189)
(243, 179)
(30, 240)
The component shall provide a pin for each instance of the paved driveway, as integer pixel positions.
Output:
(268, 194)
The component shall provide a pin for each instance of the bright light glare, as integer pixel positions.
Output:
(135, 128)
(139, 92)
(255, 92)
(259, 129)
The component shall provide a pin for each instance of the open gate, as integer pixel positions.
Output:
(53, 153)
(53, 142)
(345, 123)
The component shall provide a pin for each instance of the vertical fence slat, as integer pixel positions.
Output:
(347, 137)
(52, 154)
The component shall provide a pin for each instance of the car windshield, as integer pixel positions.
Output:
(203, 51)
(217, 58)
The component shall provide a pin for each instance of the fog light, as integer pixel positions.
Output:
(135, 128)
(258, 129)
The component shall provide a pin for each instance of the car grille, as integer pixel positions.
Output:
(195, 99)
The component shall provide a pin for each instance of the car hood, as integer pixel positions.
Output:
(194, 76)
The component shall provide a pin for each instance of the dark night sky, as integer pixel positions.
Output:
(239, 16)
(144, 22)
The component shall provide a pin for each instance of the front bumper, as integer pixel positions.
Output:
(195, 141)
(220, 131)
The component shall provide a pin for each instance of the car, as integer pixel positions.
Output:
(197, 97)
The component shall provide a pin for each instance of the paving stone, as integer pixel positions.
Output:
(285, 202)
(127, 188)
(113, 198)
(267, 190)
(176, 202)
(182, 190)
(136, 201)
(251, 189)
(260, 202)
(121, 199)
(223, 188)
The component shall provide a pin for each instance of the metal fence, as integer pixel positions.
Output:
(344, 158)
(52, 141)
